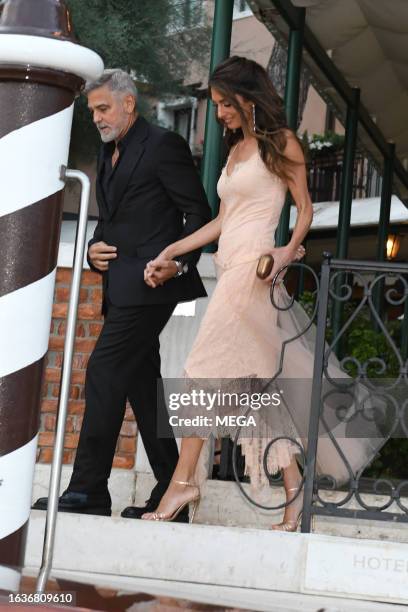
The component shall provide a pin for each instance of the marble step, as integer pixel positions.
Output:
(224, 504)
(215, 556)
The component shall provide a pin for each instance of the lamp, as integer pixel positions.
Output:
(393, 245)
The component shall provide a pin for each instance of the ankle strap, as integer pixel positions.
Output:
(183, 482)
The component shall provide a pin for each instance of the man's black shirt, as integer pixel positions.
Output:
(109, 171)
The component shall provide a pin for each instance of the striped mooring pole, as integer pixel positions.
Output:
(42, 69)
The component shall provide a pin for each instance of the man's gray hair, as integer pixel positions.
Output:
(116, 79)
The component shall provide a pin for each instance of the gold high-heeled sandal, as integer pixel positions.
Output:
(161, 516)
(290, 525)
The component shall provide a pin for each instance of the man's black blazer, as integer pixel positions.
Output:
(157, 197)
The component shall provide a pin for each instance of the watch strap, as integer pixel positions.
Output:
(179, 268)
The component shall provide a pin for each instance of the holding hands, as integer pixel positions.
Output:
(156, 273)
(159, 270)
(162, 268)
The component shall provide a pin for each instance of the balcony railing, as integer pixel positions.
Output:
(366, 407)
(325, 173)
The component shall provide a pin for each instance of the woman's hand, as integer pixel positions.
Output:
(159, 270)
(282, 257)
(300, 252)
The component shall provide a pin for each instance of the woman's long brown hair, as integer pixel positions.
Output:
(238, 75)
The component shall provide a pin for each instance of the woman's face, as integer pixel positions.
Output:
(227, 113)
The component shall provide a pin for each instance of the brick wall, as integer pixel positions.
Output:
(88, 327)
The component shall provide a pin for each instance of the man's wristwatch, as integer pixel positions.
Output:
(182, 268)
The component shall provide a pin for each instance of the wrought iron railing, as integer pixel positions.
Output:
(364, 407)
(325, 172)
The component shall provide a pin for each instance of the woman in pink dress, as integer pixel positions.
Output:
(239, 336)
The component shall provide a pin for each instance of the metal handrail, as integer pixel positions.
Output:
(368, 266)
(55, 478)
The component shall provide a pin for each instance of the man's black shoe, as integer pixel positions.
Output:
(135, 512)
(81, 503)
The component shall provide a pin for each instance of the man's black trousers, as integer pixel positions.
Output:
(124, 364)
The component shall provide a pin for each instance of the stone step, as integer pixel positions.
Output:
(224, 504)
(229, 557)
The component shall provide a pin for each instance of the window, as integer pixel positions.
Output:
(241, 9)
(180, 115)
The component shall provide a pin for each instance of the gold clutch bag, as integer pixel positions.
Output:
(264, 267)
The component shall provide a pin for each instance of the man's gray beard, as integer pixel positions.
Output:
(110, 136)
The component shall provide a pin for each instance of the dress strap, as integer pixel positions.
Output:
(230, 154)
(233, 149)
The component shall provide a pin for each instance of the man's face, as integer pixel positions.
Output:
(112, 112)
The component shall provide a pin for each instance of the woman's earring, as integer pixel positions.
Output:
(253, 118)
(255, 127)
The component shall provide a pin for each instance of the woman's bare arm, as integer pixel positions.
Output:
(297, 185)
(155, 271)
(298, 188)
(205, 235)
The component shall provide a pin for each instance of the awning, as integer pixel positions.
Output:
(364, 212)
(367, 40)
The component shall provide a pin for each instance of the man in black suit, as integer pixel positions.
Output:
(149, 195)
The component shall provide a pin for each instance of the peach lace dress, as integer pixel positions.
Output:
(241, 333)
